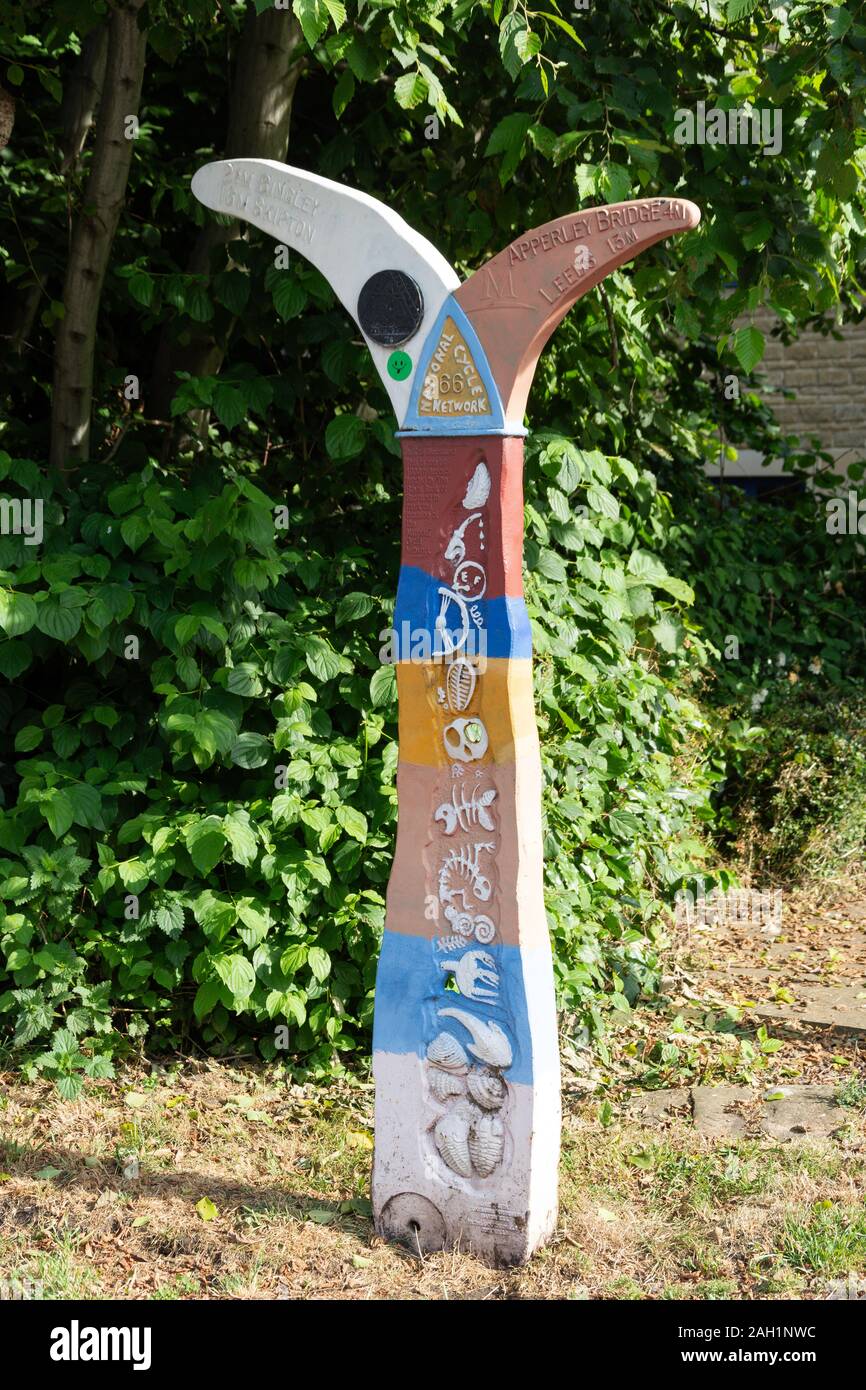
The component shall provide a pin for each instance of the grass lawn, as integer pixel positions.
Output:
(239, 1185)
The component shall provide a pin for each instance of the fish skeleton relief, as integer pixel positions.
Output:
(465, 1046)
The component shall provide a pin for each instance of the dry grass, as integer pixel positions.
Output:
(644, 1215)
(250, 1187)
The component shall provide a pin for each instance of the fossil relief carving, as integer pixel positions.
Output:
(463, 864)
(459, 685)
(475, 975)
(466, 813)
(466, 925)
(489, 1043)
(466, 740)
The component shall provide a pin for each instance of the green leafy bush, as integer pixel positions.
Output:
(199, 801)
(794, 797)
(780, 600)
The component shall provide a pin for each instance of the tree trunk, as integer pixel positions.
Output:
(81, 93)
(7, 117)
(260, 111)
(93, 235)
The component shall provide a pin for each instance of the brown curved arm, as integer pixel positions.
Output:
(516, 300)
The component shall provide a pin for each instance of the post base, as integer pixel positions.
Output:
(419, 1203)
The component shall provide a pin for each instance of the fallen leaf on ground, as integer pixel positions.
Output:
(206, 1209)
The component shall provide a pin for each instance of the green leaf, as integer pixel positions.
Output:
(69, 1087)
(214, 731)
(353, 606)
(668, 633)
(551, 566)
(244, 679)
(383, 686)
(410, 90)
(133, 875)
(15, 657)
(600, 500)
(748, 347)
(196, 302)
(317, 869)
(229, 405)
(319, 962)
(337, 10)
(188, 672)
(559, 506)
(738, 9)
(343, 92)
(646, 567)
(624, 824)
(86, 804)
(293, 959)
(313, 19)
(58, 619)
(169, 917)
(141, 287)
(135, 530)
(237, 975)
(512, 33)
(206, 1209)
(614, 182)
(186, 628)
(677, 588)
(206, 998)
(58, 810)
(508, 138)
(323, 662)
(205, 841)
(18, 613)
(214, 914)
(232, 289)
(344, 437)
(251, 750)
(28, 738)
(289, 296)
(353, 822)
(255, 920)
(241, 837)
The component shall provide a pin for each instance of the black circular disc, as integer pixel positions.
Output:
(390, 307)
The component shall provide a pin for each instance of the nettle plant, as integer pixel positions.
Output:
(199, 805)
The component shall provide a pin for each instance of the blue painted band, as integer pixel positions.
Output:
(410, 992)
(492, 627)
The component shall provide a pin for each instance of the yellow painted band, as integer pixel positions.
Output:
(439, 727)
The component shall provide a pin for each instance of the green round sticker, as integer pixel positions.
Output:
(399, 365)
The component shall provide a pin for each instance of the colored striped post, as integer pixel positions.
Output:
(465, 1047)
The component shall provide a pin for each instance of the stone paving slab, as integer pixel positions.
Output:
(712, 1109)
(789, 1113)
(657, 1107)
(803, 1111)
(831, 1006)
(841, 1006)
